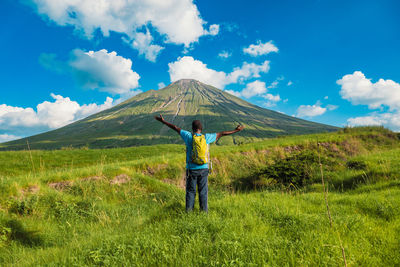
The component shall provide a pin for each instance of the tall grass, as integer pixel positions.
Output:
(97, 217)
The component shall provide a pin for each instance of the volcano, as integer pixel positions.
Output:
(132, 122)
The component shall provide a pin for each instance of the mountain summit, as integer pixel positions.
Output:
(132, 122)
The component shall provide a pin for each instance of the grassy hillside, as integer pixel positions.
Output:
(132, 123)
(126, 206)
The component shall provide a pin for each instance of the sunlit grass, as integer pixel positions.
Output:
(93, 221)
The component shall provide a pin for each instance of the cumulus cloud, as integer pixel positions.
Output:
(248, 70)
(382, 94)
(257, 88)
(213, 30)
(254, 88)
(389, 119)
(100, 70)
(224, 54)
(310, 110)
(177, 21)
(359, 90)
(331, 107)
(272, 98)
(260, 49)
(8, 137)
(48, 115)
(143, 43)
(161, 85)
(274, 84)
(188, 68)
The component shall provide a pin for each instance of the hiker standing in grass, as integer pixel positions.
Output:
(197, 159)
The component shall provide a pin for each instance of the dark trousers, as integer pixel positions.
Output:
(199, 178)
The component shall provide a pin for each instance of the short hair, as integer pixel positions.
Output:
(196, 125)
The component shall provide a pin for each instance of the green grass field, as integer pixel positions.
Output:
(125, 207)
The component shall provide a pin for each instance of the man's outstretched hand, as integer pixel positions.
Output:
(224, 133)
(239, 128)
(170, 125)
(159, 118)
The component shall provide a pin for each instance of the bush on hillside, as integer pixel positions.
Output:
(294, 171)
(5, 235)
(356, 164)
(22, 206)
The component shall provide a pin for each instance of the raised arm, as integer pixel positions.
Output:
(170, 125)
(224, 133)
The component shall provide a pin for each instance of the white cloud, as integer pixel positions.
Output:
(48, 115)
(365, 121)
(274, 84)
(106, 71)
(177, 21)
(8, 137)
(326, 97)
(143, 43)
(269, 104)
(14, 116)
(257, 88)
(361, 91)
(248, 70)
(254, 88)
(224, 54)
(100, 70)
(188, 68)
(310, 110)
(260, 49)
(331, 107)
(272, 98)
(390, 120)
(161, 85)
(235, 93)
(213, 30)
(289, 83)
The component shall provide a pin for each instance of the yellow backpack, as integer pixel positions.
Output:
(200, 150)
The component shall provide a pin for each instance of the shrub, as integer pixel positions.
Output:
(356, 164)
(297, 171)
(288, 171)
(22, 206)
(5, 235)
(63, 210)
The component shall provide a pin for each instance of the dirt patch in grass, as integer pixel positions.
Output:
(153, 170)
(120, 179)
(60, 185)
(351, 146)
(264, 151)
(32, 189)
(291, 149)
(92, 178)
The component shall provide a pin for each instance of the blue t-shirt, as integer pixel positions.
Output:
(188, 138)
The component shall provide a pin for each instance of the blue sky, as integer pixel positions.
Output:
(334, 62)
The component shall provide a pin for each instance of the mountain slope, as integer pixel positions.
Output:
(132, 122)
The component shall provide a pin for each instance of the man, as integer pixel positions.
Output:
(196, 174)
